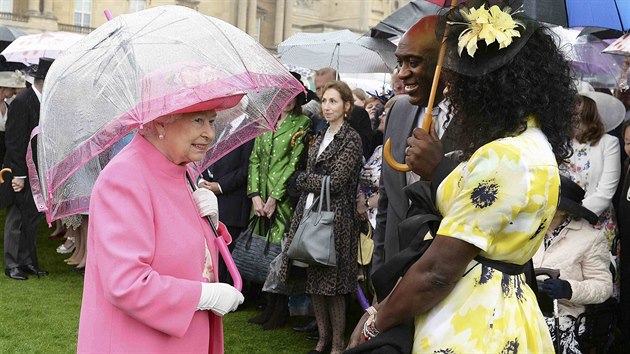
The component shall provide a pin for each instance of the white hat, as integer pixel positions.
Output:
(12, 79)
(611, 110)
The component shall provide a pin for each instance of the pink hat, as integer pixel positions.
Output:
(215, 104)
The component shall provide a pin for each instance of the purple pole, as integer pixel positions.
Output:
(362, 299)
(108, 15)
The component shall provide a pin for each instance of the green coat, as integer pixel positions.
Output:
(272, 162)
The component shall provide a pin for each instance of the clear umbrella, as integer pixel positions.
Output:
(138, 67)
(587, 60)
(343, 50)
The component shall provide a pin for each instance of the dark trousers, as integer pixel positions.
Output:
(3, 149)
(20, 231)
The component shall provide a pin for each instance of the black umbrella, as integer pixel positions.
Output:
(400, 20)
(601, 33)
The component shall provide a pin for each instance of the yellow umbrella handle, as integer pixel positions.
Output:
(2, 172)
(387, 156)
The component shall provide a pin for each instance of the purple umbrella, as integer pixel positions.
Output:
(587, 60)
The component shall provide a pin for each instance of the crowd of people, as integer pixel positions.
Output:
(528, 182)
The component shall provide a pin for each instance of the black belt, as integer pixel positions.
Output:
(503, 267)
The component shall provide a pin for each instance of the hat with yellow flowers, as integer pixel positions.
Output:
(482, 36)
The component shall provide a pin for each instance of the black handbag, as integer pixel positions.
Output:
(314, 239)
(253, 253)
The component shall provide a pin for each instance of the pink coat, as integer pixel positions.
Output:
(145, 260)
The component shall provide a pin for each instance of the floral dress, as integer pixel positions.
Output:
(369, 180)
(501, 200)
(578, 170)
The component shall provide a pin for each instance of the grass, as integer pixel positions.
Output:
(42, 315)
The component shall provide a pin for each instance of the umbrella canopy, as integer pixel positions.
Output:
(28, 49)
(9, 34)
(613, 14)
(587, 59)
(402, 19)
(343, 50)
(139, 67)
(621, 46)
(601, 33)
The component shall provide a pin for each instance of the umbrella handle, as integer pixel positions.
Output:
(229, 263)
(391, 161)
(363, 301)
(223, 248)
(3, 171)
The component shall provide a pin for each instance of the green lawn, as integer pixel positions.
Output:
(42, 315)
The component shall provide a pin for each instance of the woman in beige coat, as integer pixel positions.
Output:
(580, 252)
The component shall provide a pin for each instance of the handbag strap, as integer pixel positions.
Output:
(321, 194)
(328, 193)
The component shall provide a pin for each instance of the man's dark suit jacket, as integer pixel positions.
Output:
(231, 173)
(22, 118)
(393, 203)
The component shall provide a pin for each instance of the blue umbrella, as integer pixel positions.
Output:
(613, 14)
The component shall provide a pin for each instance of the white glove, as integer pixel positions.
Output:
(207, 204)
(220, 298)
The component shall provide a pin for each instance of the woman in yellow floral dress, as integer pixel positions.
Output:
(513, 109)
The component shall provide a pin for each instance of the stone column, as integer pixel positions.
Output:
(48, 9)
(279, 25)
(288, 18)
(366, 8)
(33, 8)
(251, 17)
(241, 17)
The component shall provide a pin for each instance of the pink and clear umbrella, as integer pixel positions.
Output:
(28, 49)
(138, 67)
(621, 46)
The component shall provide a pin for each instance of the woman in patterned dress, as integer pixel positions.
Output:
(595, 166)
(336, 152)
(512, 110)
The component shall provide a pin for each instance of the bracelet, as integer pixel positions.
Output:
(369, 327)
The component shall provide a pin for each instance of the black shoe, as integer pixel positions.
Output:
(309, 327)
(30, 269)
(280, 314)
(15, 273)
(313, 336)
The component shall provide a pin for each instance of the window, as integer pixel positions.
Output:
(83, 13)
(6, 6)
(137, 5)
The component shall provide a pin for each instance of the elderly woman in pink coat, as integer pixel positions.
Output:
(151, 278)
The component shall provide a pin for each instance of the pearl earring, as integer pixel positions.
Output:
(161, 136)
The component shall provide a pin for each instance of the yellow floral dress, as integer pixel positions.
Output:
(502, 201)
